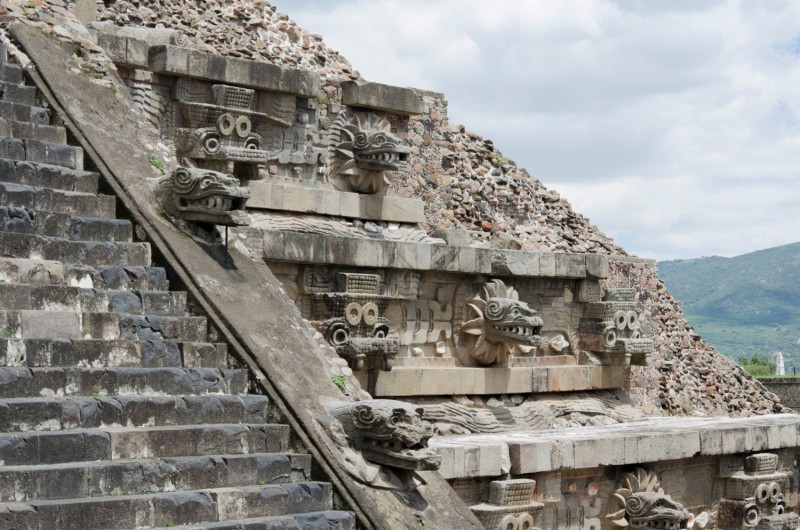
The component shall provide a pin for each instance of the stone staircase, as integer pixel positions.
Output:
(116, 408)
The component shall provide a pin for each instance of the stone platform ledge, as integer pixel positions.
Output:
(300, 247)
(641, 442)
(377, 96)
(288, 198)
(437, 381)
(176, 61)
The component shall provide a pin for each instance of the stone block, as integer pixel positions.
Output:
(55, 154)
(547, 264)
(377, 96)
(173, 60)
(137, 52)
(444, 258)
(597, 266)
(570, 265)
(11, 73)
(515, 263)
(668, 445)
(533, 455)
(115, 46)
(303, 200)
(598, 451)
(169, 60)
(50, 325)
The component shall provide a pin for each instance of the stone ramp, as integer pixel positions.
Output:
(117, 409)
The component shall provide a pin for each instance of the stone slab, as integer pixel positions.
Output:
(377, 96)
(274, 196)
(316, 249)
(439, 381)
(173, 60)
(636, 443)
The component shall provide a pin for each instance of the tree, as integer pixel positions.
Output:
(757, 365)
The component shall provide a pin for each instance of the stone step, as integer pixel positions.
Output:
(22, 112)
(86, 253)
(49, 272)
(34, 131)
(100, 353)
(67, 226)
(168, 509)
(57, 201)
(11, 73)
(83, 412)
(47, 176)
(61, 298)
(134, 477)
(121, 381)
(125, 443)
(18, 93)
(327, 520)
(44, 152)
(74, 325)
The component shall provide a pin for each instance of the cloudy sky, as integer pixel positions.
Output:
(672, 125)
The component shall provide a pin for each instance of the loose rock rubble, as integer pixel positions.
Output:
(463, 178)
(687, 376)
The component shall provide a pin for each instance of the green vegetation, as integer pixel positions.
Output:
(502, 161)
(757, 365)
(340, 382)
(6, 333)
(745, 306)
(156, 162)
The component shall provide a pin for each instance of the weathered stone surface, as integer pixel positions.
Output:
(172, 60)
(382, 97)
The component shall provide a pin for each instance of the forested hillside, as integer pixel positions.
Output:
(743, 305)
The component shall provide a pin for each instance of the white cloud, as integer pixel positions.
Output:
(672, 125)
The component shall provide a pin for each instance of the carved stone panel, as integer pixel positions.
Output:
(610, 329)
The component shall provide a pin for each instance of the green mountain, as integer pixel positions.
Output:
(742, 305)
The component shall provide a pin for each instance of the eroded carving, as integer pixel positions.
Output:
(500, 325)
(611, 329)
(754, 497)
(364, 150)
(510, 505)
(384, 442)
(194, 198)
(357, 330)
(645, 505)
(219, 134)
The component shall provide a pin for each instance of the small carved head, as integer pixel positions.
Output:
(203, 196)
(390, 433)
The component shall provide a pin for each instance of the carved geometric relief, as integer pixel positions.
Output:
(426, 321)
(755, 497)
(611, 329)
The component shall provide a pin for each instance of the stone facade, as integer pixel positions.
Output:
(481, 332)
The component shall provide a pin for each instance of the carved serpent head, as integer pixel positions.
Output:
(203, 196)
(364, 149)
(390, 433)
(500, 323)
